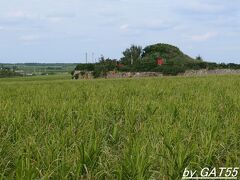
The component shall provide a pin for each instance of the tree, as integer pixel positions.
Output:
(108, 64)
(85, 67)
(171, 54)
(132, 55)
(199, 58)
(104, 66)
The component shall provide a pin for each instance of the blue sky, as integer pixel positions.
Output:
(64, 30)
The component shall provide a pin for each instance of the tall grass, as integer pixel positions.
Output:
(149, 128)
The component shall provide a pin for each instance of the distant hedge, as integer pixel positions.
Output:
(8, 73)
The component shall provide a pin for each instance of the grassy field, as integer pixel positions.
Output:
(41, 68)
(151, 128)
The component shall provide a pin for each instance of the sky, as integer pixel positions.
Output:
(64, 30)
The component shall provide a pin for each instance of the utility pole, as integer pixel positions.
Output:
(131, 59)
(86, 57)
(93, 57)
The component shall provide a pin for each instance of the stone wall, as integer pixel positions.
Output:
(204, 72)
(132, 74)
(82, 75)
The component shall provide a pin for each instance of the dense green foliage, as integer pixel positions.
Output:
(171, 54)
(85, 67)
(8, 73)
(136, 59)
(99, 69)
(148, 128)
(132, 55)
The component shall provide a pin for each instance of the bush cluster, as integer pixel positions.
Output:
(136, 59)
(8, 73)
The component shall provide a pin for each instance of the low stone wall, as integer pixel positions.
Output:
(82, 75)
(132, 74)
(204, 72)
(201, 72)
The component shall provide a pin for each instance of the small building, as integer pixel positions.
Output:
(160, 61)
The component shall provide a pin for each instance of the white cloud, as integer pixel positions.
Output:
(17, 14)
(124, 27)
(198, 6)
(183, 23)
(29, 38)
(59, 17)
(11, 29)
(54, 19)
(155, 25)
(203, 37)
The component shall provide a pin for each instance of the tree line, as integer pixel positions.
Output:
(137, 59)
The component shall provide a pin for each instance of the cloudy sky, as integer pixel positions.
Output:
(64, 30)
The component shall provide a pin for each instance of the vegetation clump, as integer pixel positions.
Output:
(138, 59)
(7, 72)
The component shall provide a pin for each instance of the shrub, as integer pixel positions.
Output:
(172, 70)
(85, 67)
